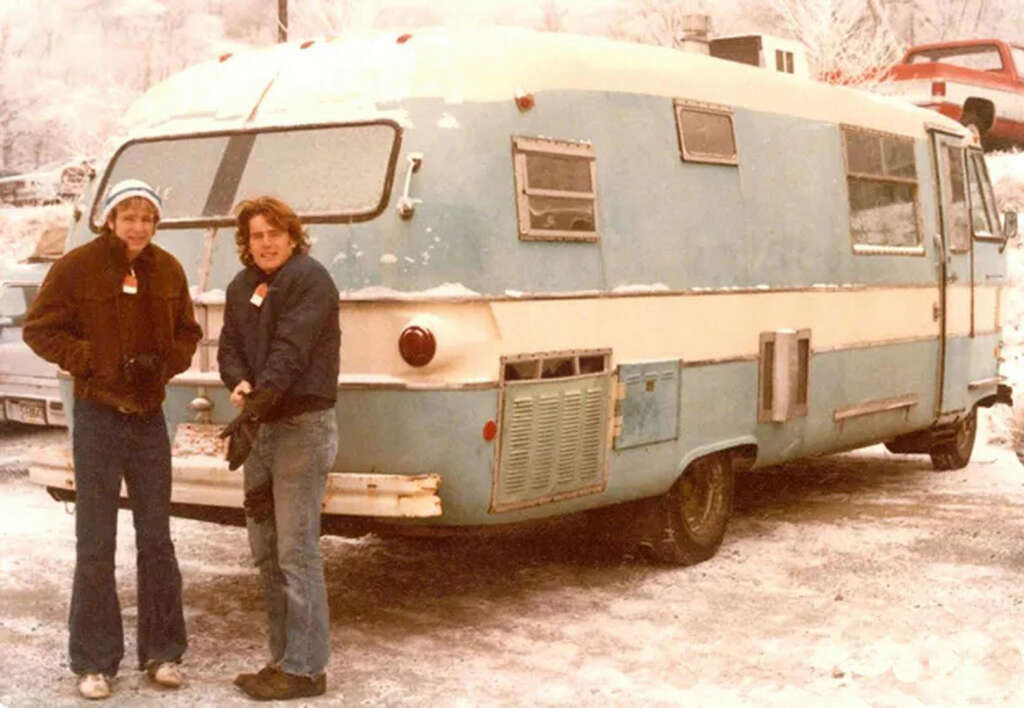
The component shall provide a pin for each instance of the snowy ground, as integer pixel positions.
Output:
(856, 579)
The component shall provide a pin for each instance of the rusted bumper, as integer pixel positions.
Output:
(207, 481)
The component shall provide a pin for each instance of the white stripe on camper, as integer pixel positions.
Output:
(472, 335)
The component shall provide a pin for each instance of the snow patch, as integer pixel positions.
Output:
(447, 120)
(640, 288)
(443, 291)
(389, 258)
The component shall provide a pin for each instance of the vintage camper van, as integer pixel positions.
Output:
(577, 272)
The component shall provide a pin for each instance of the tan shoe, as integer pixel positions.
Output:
(94, 686)
(164, 673)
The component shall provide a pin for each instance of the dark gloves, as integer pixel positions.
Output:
(142, 369)
(261, 401)
(242, 434)
(242, 430)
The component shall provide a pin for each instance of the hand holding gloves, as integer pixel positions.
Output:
(242, 430)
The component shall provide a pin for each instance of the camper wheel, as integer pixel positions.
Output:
(953, 450)
(688, 522)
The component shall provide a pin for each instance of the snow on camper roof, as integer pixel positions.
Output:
(354, 76)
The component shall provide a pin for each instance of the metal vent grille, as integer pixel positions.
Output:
(554, 440)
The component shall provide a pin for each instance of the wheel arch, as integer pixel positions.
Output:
(745, 444)
(981, 108)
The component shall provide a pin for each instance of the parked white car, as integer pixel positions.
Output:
(28, 384)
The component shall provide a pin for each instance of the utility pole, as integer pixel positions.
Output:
(282, 20)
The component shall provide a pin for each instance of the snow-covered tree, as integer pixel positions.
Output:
(847, 41)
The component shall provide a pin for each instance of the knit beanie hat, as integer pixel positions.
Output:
(127, 189)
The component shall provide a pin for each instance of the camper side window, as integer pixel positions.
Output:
(881, 177)
(960, 228)
(983, 208)
(556, 189)
(706, 133)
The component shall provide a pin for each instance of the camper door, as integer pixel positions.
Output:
(953, 250)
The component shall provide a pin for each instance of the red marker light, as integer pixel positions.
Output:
(307, 43)
(524, 102)
(224, 57)
(417, 345)
(403, 38)
(490, 430)
(938, 88)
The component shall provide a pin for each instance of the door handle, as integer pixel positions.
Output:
(407, 204)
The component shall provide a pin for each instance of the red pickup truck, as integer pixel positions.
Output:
(978, 82)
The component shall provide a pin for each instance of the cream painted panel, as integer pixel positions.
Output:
(986, 309)
(716, 326)
(958, 316)
(986, 300)
(473, 335)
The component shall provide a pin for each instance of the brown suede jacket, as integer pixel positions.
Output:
(82, 321)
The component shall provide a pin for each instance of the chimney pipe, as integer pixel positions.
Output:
(694, 34)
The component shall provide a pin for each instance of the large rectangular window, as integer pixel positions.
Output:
(340, 172)
(881, 178)
(556, 189)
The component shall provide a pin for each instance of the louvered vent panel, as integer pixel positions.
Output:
(546, 437)
(569, 440)
(554, 439)
(592, 450)
(517, 446)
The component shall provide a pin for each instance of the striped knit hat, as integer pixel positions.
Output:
(127, 189)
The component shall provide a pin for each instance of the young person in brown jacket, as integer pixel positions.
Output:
(116, 313)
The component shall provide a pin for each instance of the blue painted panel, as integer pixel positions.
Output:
(650, 410)
(782, 215)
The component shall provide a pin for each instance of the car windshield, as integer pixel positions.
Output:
(335, 172)
(978, 57)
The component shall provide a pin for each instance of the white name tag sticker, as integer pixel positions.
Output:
(130, 285)
(259, 294)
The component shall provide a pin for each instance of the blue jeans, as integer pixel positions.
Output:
(107, 446)
(294, 455)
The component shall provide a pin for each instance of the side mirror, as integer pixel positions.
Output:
(1009, 225)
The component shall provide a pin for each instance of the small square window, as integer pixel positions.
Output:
(556, 190)
(706, 133)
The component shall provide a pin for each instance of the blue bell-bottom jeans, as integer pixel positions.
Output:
(107, 446)
(294, 455)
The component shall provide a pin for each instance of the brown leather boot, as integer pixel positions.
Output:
(245, 678)
(272, 684)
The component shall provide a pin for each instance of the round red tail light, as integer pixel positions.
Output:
(417, 345)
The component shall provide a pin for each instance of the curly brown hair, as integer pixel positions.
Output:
(278, 214)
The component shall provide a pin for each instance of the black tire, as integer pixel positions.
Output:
(689, 521)
(955, 453)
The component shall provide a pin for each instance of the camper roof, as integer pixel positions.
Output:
(360, 76)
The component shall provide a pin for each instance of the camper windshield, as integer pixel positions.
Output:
(326, 173)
